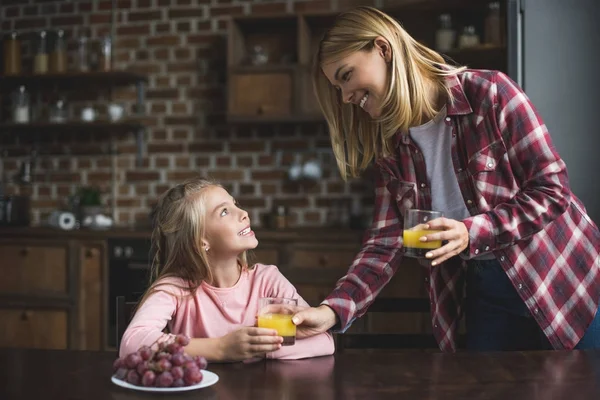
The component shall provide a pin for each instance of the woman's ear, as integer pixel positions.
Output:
(383, 48)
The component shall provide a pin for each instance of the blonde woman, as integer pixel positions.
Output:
(471, 144)
(203, 287)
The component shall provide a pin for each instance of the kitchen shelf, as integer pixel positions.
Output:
(283, 119)
(125, 126)
(72, 79)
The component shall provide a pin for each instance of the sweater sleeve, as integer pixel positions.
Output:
(149, 321)
(314, 346)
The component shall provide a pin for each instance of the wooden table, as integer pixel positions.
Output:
(46, 374)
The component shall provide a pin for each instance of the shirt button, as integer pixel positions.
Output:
(416, 151)
(447, 119)
(459, 170)
(502, 258)
(536, 310)
(469, 201)
(520, 286)
(487, 248)
(423, 185)
(476, 251)
(490, 165)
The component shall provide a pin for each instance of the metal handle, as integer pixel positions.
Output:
(24, 252)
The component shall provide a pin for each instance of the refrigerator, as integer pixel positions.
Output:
(554, 55)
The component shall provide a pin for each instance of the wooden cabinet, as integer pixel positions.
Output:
(51, 294)
(34, 328)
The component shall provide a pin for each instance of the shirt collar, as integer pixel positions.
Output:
(460, 105)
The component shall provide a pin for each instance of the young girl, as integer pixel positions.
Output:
(468, 143)
(203, 287)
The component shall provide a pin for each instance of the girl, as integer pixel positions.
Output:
(471, 144)
(202, 285)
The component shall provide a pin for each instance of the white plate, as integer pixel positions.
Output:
(209, 378)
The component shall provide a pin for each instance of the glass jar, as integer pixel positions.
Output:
(12, 54)
(58, 56)
(105, 63)
(445, 35)
(468, 38)
(40, 60)
(58, 111)
(493, 25)
(83, 62)
(21, 106)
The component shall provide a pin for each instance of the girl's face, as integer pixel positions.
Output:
(362, 77)
(228, 231)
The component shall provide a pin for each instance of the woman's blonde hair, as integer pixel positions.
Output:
(179, 221)
(356, 138)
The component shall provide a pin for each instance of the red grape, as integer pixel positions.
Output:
(119, 363)
(148, 378)
(164, 380)
(145, 352)
(133, 377)
(187, 357)
(161, 355)
(178, 383)
(192, 376)
(190, 365)
(121, 373)
(182, 340)
(174, 348)
(142, 367)
(163, 365)
(201, 362)
(177, 372)
(133, 360)
(178, 359)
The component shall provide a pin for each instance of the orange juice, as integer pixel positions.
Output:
(282, 323)
(413, 247)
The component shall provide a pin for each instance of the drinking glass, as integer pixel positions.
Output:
(414, 229)
(276, 313)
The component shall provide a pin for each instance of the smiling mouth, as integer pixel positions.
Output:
(363, 101)
(245, 232)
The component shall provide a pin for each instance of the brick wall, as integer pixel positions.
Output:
(180, 45)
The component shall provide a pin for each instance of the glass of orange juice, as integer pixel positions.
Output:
(414, 228)
(276, 313)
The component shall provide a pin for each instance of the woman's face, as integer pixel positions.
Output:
(362, 77)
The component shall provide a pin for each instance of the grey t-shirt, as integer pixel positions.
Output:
(434, 139)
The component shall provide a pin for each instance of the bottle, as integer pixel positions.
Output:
(58, 56)
(493, 33)
(12, 54)
(20, 106)
(83, 62)
(105, 63)
(281, 218)
(445, 35)
(468, 38)
(40, 61)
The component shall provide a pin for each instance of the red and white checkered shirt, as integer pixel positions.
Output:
(516, 189)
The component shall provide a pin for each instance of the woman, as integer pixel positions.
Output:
(471, 144)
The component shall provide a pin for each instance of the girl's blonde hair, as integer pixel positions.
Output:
(179, 221)
(356, 138)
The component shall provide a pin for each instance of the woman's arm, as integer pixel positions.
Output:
(537, 167)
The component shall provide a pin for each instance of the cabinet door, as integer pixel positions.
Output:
(34, 328)
(261, 94)
(90, 321)
(34, 267)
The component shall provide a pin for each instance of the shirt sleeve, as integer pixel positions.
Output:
(146, 327)
(374, 265)
(318, 345)
(541, 174)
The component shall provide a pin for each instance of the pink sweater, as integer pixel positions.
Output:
(215, 312)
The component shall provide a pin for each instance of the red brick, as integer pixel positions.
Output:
(130, 202)
(181, 134)
(142, 189)
(247, 146)
(312, 6)
(165, 148)
(184, 2)
(205, 147)
(180, 176)
(67, 20)
(44, 190)
(182, 67)
(222, 24)
(30, 23)
(144, 3)
(251, 202)
(67, 8)
(182, 162)
(31, 11)
(131, 176)
(194, 12)
(133, 30)
(227, 175)
(244, 161)
(179, 108)
(158, 108)
(203, 39)
(184, 80)
(164, 3)
(11, 12)
(144, 16)
(163, 28)
(128, 43)
(181, 121)
(162, 82)
(162, 94)
(107, 4)
(100, 19)
(203, 25)
(98, 177)
(159, 134)
(268, 188)
(268, 175)
(289, 144)
(268, 8)
(182, 53)
(223, 161)
(142, 55)
(84, 6)
(145, 69)
(202, 161)
(163, 41)
(226, 10)
(185, 26)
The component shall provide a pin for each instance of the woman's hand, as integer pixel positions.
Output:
(313, 321)
(455, 232)
(249, 342)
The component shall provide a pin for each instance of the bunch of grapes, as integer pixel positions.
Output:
(169, 366)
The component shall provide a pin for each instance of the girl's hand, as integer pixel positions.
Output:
(455, 232)
(249, 342)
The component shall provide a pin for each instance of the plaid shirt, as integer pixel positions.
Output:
(515, 187)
